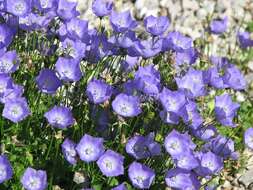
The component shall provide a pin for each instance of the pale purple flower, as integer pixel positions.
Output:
(75, 49)
(248, 138)
(90, 148)
(169, 117)
(156, 25)
(6, 170)
(191, 115)
(124, 40)
(47, 81)
(102, 7)
(122, 22)
(5, 83)
(68, 69)
(177, 42)
(18, 7)
(66, 9)
(147, 48)
(192, 83)
(182, 179)
(45, 5)
(98, 91)
(140, 175)
(16, 110)
(126, 105)
(147, 80)
(77, 28)
(9, 62)
(122, 186)
(225, 110)
(14, 92)
(172, 101)
(219, 26)
(205, 133)
(210, 164)
(69, 151)
(59, 117)
(244, 39)
(234, 78)
(143, 146)
(177, 143)
(187, 57)
(6, 35)
(111, 164)
(34, 179)
(221, 146)
(129, 63)
(186, 161)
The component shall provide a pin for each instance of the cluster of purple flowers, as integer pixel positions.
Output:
(178, 105)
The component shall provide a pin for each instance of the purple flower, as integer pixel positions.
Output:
(192, 83)
(234, 78)
(156, 25)
(219, 26)
(5, 83)
(111, 164)
(18, 7)
(125, 40)
(9, 62)
(6, 170)
(172, 101)
(140, 175)
(122, 186)
(47, 81)
(59, 117)
(6, 35)
(143, 147)
(44, 5)
(75, 49)
(248, 138)
(148, 80)
(191, 115)
(98, 91)
(177, 143)
(244, 39)
(129, 63)
(214, 78)
(225, 110)
(182, 179)
(90, 148)
(210, 164)
(122, 22)
(102, 7)
(34, 179)
(187, 57)
(14, 92)
(68, 69)
(205, 133)
(169, 117)
(147, 48)
(16, 110)
(77, 28)
(221, 146)
(177, 42)
(69, 151)
(126, 106)
(186, 161)
(67, 10)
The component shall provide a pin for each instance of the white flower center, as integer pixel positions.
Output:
(34, 182)
(19, 7)
(3, 172)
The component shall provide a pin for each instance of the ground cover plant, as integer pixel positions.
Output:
(115, 107)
